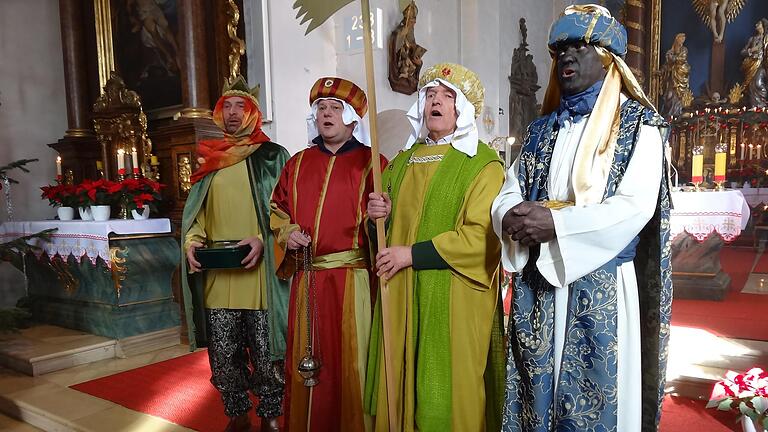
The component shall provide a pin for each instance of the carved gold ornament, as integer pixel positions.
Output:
(236, 46)
(117, 257)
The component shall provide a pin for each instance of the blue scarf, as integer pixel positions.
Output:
(578, 105)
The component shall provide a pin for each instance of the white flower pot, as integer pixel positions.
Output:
(85, 213)
(749, 425)
(734, 185)
(747, 185)
(100, 212)
(143, 215)
(65, 213)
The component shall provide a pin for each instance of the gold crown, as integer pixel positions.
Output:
(239, 87)
(462, 78)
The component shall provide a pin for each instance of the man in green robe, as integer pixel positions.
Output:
(240, 314)
(443, 327)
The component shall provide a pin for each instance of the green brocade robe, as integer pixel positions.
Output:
(444, 318)
(264, 167)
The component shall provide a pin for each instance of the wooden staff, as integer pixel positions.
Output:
(394, 420)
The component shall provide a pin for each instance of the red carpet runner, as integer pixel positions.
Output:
(681, 414)
(177, 390)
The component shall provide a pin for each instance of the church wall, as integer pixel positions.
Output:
(32, 111)
(478, 34)
(296, 62)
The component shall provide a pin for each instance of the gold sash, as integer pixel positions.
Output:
(353, 258)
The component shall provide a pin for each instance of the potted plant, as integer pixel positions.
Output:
(62, 196)
(140, 196)
(746, 393)
(99, 195)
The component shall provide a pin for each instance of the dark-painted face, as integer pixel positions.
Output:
(578, 67)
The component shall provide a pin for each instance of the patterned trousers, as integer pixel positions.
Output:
(236, 338)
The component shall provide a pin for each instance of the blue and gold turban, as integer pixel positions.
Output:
(592, 24)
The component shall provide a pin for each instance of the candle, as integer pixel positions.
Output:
(58, 166)
(720, 163)
(508, 152)
(135, 158)
(120, 159)
(697, 175)
(742, 151)
(154, 161)
(751, 151)
(758, 153)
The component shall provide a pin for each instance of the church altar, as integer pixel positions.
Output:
(110, 278)
(700, 224)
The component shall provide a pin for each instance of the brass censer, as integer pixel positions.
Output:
(309, 366)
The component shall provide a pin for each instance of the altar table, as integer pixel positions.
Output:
(700, 224)
(110, 278)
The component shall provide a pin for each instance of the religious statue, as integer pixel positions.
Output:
(717, 13)
(405, 54)
(754, 64)
(676, 92)
(523, 83)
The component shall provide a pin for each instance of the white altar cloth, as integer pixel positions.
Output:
(81, 238)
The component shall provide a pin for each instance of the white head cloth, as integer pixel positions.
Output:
(348, 116)
(464, 137)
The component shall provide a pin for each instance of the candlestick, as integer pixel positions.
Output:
(58, 166)
(121, 160)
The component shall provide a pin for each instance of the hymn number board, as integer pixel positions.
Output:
(353, 31)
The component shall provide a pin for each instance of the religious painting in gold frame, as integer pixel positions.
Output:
(139, 40)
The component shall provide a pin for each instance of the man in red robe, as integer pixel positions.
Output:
(318, 213)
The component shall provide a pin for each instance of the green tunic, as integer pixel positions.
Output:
(228, 215)
(263, 168)
(441, 320)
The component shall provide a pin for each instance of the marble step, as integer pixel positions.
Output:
(43, 349)
(698, 359)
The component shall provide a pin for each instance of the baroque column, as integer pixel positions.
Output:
(194, 59)
(635, 22)
(78, 147)
(75, 76)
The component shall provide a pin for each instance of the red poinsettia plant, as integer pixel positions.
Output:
(98, 192)
(138, 192)
(746, 393)
(754, 173)
(60, 195)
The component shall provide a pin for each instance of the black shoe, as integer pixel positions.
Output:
(240, 423)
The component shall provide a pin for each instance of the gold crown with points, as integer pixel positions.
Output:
(239, 87)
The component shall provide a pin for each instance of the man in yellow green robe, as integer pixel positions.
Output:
(240, 314)
(442, 328)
